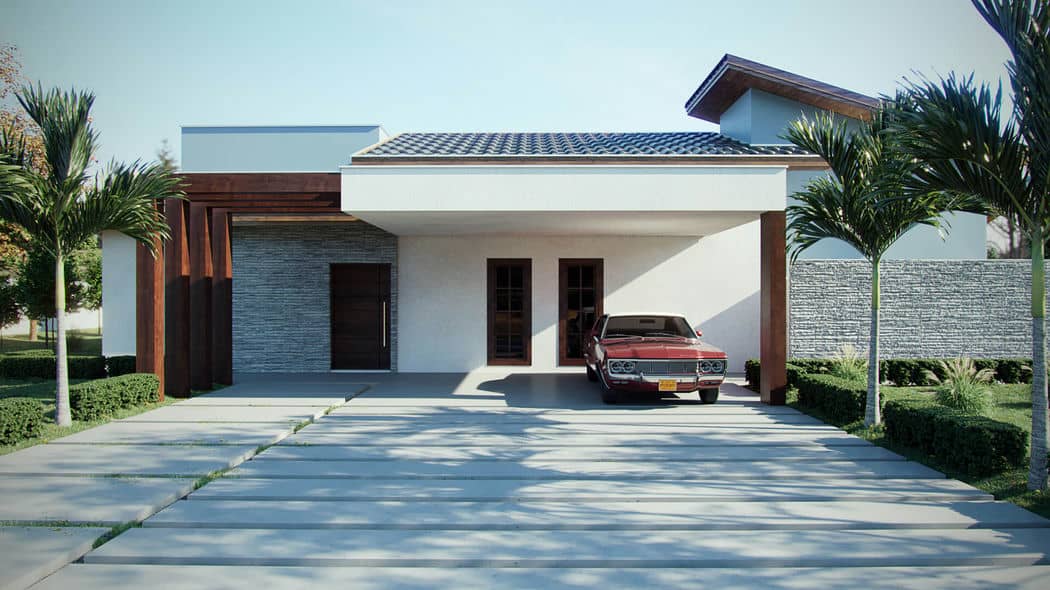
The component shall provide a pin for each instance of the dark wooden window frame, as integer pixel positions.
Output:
(563, 303)
(490, 296)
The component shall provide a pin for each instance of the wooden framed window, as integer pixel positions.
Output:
(509, 311)
(580, 299)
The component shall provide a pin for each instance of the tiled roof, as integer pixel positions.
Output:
(677, 143)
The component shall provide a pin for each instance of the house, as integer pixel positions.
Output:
(306, 249)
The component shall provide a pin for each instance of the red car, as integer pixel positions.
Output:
(652, 353)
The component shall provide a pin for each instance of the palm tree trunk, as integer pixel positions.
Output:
(1037, 473)
(872, 410)
(62, 415)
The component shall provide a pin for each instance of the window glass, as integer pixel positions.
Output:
(647, 325)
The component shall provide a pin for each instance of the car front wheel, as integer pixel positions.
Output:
(591, 375)
(708, 396)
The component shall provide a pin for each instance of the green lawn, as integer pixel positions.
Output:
(87, 342)
(1010, 403)
(45, 392)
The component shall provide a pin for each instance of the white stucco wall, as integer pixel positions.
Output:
(587, 188)
(118, 294)
(300, 148)
(759, 118)
(714, 281)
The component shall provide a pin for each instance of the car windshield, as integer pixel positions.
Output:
(627, 326)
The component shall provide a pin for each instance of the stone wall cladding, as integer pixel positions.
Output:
(930, 308)
(280, 291)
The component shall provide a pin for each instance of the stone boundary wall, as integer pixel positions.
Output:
(281, 319)
(930, 308)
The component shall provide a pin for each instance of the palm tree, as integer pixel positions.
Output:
(63, 206)
(859, 203)
(968, 149)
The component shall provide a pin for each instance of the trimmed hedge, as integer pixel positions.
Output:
(974, 445)
(794, 374)
(120, 365)
(20, 418)
(101, 398)
(909, 372)
(41, 365)
(842, 401)
(752, 372)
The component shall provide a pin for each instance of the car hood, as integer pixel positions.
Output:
(660, 348)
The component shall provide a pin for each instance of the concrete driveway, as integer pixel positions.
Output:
(528, 481)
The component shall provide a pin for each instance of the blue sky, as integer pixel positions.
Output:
(452, 65)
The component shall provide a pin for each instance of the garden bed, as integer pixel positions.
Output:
(1010, 403)
(44, 392)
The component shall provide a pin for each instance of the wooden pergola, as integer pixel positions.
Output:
(184, 319)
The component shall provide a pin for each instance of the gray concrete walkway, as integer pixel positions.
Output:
(517, 481)
(57, 496)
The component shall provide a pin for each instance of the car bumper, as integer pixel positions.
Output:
(683, 383)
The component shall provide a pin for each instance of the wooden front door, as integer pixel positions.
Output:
(360, 308)
(580, 295)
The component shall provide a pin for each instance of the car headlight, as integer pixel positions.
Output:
(718, 366)
(621, 367)
(705, 366)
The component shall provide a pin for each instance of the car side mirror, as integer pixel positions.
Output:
(699, 332)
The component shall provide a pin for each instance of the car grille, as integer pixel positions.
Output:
(666, 367)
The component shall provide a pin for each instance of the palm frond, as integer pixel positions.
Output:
(964, 148)
(860, 202)
(125, 199)
(69, 141)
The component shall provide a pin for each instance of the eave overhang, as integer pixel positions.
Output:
(733, 76)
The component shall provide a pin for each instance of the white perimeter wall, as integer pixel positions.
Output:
(85, 319)
(118, 294)
(714, 281)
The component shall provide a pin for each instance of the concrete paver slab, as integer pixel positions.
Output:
(583, 490)
(627, 514)
(319, 435)
(107, 577)
(541, 469)
(123, 459)
(650, 548)
(214, 399)
(27, 554)
(182, 433)
(105, 500)
(181, 413)
(579, 453)
(365, 406)
(409, 426)
(424, 420)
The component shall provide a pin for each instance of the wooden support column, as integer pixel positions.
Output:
(149, 312)
(221, 298)
(200, 297)
(773, 301)
(176, 302)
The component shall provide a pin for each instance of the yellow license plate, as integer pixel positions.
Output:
(668, 385)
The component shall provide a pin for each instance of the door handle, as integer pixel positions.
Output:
(383, 322)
